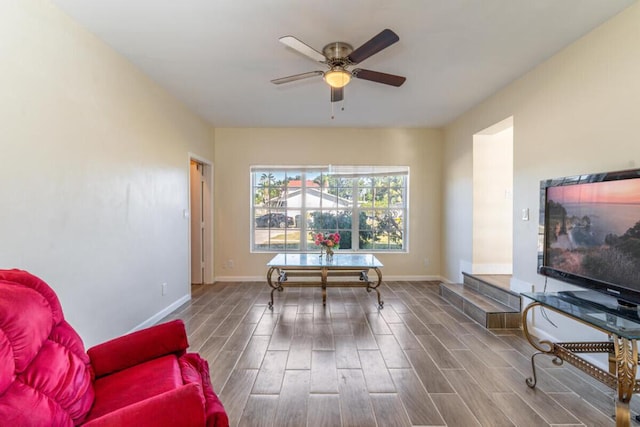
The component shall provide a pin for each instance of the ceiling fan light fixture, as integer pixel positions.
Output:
(337, 77)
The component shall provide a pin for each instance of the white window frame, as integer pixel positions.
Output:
(362, 172)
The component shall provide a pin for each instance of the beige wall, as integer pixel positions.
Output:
(94, 175)
(237, 149)
(575, 113)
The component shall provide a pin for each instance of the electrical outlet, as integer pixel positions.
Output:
(230, 264)
(164, 289)
(426, 262)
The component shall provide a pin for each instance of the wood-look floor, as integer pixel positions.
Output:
(417, 362)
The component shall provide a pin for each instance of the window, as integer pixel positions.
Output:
(367, 205)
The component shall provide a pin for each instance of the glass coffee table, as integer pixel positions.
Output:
(314, 267)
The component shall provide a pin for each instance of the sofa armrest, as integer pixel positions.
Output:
(137, 347)
(176, 408)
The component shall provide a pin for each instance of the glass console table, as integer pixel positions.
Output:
(602, 313)
(313, 265)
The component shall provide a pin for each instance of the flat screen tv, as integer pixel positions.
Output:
(590, 232)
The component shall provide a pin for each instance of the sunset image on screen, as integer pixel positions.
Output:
(626, 191)
(592, 230)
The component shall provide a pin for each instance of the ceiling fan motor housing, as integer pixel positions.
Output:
(337, 53)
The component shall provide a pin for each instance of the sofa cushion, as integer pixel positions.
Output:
(135, 384)
(62, 375)
(45, 374)
(181, 407)
(26, 322)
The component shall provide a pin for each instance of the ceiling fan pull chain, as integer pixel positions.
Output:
(332, 116)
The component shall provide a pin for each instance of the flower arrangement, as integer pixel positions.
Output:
(327, 241)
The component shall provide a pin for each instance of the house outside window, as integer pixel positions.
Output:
(367, 205)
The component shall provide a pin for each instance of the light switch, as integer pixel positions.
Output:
(525, 214)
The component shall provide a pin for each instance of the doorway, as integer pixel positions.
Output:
(201, 225)
(493, 199)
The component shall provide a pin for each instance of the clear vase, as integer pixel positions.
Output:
(329, 257)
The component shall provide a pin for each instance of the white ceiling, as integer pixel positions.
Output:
(218, 56)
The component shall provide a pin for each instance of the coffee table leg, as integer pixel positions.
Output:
(324, 274)
(379, 273)
(364, 276)
(282, 277)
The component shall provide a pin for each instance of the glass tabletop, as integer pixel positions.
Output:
(593, 308)
(311, 260)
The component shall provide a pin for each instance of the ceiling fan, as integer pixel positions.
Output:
(338, 57)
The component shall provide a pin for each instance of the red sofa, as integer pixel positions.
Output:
(47, 379)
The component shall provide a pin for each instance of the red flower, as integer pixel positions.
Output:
(328, 239)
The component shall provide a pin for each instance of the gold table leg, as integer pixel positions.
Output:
(282, 276)
(626, 354)
(324, 274)
(364, 276)
(623, 363)
(543, 347)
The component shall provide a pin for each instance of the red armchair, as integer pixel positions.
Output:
(46, 379)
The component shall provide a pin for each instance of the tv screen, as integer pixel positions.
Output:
(590, 232)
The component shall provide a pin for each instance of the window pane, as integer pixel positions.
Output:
(313, 197)
(294, 242)
(322, 221)
(345, 196)
(345, 227)
(380, 181)
(293, 179)
(380, 197)
(381, 241)
(365, 182)
(365, 197)
(389, 224)
(277, 239)
(273, 219)
(261, 239)
(329, 200)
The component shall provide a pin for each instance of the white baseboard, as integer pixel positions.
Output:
(520, 286)
(384, 278)
(401, 278)
(466, 267)
(158, 316)
(240, 279)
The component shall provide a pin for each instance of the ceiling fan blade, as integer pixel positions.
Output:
(337, 94)
(383, 40)
(378, 77)
(296, 77)
(303, 48)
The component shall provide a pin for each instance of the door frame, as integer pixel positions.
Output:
(209, 274)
